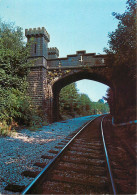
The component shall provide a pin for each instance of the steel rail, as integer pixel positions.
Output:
(47, 167)
(107, 158)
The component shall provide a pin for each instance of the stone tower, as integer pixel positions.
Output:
(38, 38)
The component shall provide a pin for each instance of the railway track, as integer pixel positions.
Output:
(81, 167)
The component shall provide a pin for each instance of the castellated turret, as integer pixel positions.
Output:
(40, 39)
(53, 53)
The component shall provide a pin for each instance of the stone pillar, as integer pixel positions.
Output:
(38, 40)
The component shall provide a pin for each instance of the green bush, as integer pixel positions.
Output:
(15, 105)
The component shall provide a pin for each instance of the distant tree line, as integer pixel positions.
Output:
(74, 104)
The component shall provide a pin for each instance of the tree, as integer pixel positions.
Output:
(109, 99)
(101, 101)
(69, 99)
(14, 101)
(122, 57)
(122, 42)
(84, 105)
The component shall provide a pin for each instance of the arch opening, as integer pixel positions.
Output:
(70, 80)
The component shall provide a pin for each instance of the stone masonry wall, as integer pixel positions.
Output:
(36, 91)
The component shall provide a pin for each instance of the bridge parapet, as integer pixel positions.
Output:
(81, 58)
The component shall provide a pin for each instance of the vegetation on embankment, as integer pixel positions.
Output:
(15, 105)
(74, 104)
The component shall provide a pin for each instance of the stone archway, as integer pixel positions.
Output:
(68, 79)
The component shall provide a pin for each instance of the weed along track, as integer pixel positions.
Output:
(79, 168)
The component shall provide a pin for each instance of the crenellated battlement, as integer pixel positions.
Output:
(37, 32)
(53, 51)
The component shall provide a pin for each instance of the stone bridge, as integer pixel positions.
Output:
(49, 73)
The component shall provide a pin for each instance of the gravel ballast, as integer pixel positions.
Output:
(19, 152)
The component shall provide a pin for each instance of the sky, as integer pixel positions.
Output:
(73, 25)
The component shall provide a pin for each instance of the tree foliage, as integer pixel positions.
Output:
(122, 41)
(68, 99)
(84, 105)
(14, 102)
(109, 99)
(122, 56)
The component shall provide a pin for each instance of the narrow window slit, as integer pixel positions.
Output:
(35, 48)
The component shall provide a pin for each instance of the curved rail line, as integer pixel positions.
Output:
(107, 158)
(55, 159)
